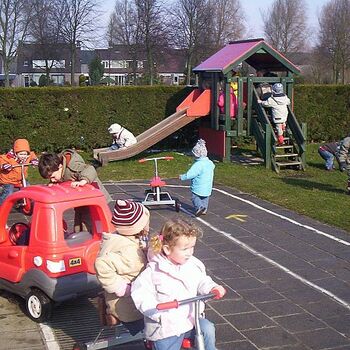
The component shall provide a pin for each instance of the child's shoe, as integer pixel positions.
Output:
(199, 211)
(280, 140)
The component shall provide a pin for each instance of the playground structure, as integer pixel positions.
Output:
(218, 130)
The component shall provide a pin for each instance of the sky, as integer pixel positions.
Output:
(252, 10)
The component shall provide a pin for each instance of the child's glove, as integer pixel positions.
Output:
(6, 167)
(34, 162)
(219, 292)
(342, 166)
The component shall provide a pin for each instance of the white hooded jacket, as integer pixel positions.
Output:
(278, 104)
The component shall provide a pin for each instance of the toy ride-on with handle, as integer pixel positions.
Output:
(122, 336)
(26, 205)
(48, 257)
(155, 195)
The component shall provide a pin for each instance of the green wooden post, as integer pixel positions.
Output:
(303, 156)
(214, 121)
(249, 104)
(267, 157)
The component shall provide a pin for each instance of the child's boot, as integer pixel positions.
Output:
(280, 140)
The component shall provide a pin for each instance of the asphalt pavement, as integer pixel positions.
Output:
(287, 277)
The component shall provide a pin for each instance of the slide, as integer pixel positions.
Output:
(195, 105)
(147, 139)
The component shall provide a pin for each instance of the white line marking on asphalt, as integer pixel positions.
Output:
(272, 262)
(307, 227)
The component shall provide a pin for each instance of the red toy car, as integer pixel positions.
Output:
(43, 257)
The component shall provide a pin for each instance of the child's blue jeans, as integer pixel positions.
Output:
(174, 342)
(199, 202)
(6, 190)
(328, 157)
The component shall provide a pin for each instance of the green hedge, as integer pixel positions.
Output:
(325, 109)
(55, 118)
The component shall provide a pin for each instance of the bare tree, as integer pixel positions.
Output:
(285, 25)
(191, 27)
(152, 31)
(123, 24)
(14, 19)
(123, 29)
(334, 37)
(227, 22)
(79, 26)
(45, 30)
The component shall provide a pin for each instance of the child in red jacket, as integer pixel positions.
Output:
(10, 175)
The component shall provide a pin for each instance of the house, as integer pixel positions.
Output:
(35, 60)
(123, 66)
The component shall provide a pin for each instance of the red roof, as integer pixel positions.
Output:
(256, 52)
(227, 55)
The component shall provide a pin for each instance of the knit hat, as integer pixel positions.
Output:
(130, 218)
(277, 88)
(21, 145)
(114, 128)
(199, 150)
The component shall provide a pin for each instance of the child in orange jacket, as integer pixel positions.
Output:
(11, 176)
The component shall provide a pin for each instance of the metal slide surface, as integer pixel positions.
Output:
(147, 139)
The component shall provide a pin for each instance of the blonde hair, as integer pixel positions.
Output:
(171, 231)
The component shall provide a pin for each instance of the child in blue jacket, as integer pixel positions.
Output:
(201, 175)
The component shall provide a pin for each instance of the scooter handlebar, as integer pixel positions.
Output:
(176, 303)
(168, 305)
(143, 160)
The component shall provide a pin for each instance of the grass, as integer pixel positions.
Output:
(315, 193)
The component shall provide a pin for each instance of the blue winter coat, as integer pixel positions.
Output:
(201, 175)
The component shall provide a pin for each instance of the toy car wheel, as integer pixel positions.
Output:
(19, 233)
(177, 205)
(38, 306)
(79, 346)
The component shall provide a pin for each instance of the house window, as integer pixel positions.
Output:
(51, 63)
(26, 81)
(119, 64)
(105, 64)
(57, 79)
(139, 64)
(26, 64)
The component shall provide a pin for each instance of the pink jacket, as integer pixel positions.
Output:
(233, 103)
(164, 281)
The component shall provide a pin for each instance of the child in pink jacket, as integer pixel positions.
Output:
(173, 273)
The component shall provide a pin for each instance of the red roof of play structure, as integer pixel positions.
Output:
(245, 50)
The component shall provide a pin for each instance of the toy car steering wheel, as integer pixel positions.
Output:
(19, 233)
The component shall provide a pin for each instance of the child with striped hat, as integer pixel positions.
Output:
(121, 258)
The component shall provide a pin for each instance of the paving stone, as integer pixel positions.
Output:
(269, 274)
(260, 245)
(278, 308)
(243, 283)
(249, 320)
(239, 254)
(225, 332)
(299, 322)
(323, 339)
(233, 271)
(238, 345)
(261, 294)
(285, 284)
(341, 323)
(231, 306)
(304, 296)
(253, 264)
(327, 309)
(270, 337)
(312, 273)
